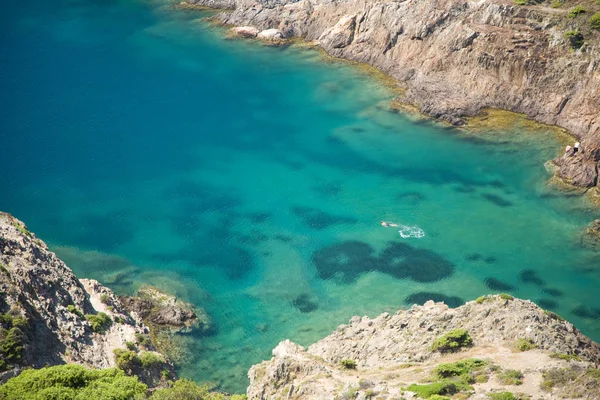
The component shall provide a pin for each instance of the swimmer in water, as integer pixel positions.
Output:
(388, 224)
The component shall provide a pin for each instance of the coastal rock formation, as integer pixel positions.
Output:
(454, 57)
(377, 358)
(49, 317)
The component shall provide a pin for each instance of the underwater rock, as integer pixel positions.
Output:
(497, 200)
(553, 292)
(530, 276)
(305, 303)
(547, 304)
(496, 284)
(591, 234)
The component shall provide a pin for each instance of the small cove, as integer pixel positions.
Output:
(251, 180)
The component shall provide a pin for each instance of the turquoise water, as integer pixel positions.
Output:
(251, 180)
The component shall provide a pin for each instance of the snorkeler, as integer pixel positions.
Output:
(388, 224)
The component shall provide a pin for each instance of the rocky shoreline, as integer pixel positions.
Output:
(495, 347)
(454, 58)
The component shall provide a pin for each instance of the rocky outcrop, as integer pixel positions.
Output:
(66, 320)
(392, 351)
(454, 57)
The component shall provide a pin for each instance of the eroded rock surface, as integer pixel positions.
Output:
(455, 57)
(36, 285)
(393, 351)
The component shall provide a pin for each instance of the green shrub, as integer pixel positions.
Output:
(70, 382)
(575, 39)
(130, 346)
(4, 269)
(481, 299)
(149, 359)
(99, 322)
(482, 378)
(143, 340)
(556, 4)
(525, 344)
(575, 11)
(502, 396)
(105, 299)
(566, 357)
(452, 341)
(127, 360)
(462, 368)
(12, 338)
(511, 377)
(595, 21)
(183, 389)
(521, 2)
(438, 397)
(505, 296)
(74, 310)
(348, 364)
(442, 388)
(166, 375)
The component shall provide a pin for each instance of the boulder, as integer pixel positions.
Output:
(249, 32)
(271, 35)
(578, 170)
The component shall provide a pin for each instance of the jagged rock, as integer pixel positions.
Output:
(37, 285)
(166, 311)
(577, 170)
(245, 31)
(270, 35)
(456, 58)
(591, 234)
(391, 351)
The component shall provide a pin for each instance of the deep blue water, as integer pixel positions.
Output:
(251, 180)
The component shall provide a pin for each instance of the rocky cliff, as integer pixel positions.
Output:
(482, 349)
(455, 58)
(49, 317)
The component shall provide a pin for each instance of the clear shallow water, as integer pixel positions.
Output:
(251, 181)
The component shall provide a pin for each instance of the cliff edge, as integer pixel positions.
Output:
(49, 317)
(492, 348)
(456, 58)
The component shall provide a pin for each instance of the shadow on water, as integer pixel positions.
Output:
(345, 261)
(496, 284)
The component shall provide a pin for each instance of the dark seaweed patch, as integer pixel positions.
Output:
(547, 304)
(464, 189)
(496, 284)
(410, 197)
(346, 261)
(490, 259)
(473, 257)
(283, 238)
(404, 261)
(530, 276)
(553, 292)
(422, 297)
(254, 238)
(587, 312)
(305, 303)
(318, 219)
(259, 217)
(497, 200)
(328, 189)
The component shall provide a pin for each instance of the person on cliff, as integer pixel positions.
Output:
(576, 147)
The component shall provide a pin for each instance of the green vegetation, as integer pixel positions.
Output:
(4, 269)
(525, 344)
(445, 387)
(572, 382)
(12, 338)
(481, 299)
(452, 341)
(462, 369)
(131, 346)
(505, 296)
(99, 322)
(556, 4)
(105, 299)
(127, 360)
(438, 397)
(74, 310)
(143, 340)
(595, 21)
(150, 359)
(22, 229)
(348, 364)
(66, 382)
(575, 39)
(75, 382)
(184, 389)
(575, 11)
(511, 377)
(502, 396)
(566, 357)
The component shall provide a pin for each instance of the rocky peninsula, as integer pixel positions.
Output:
(454, 58)
(495, 347)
